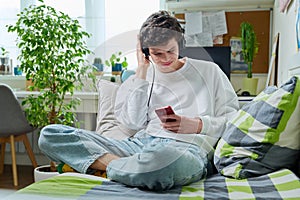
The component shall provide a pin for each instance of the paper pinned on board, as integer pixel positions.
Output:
(213, 26)
(193, 23)
(200, 39)
(215, 22)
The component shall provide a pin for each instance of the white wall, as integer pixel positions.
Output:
(284, 24)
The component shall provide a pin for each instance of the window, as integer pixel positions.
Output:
(112, 23)
(123, 20)
(74, 8)
(8, 10)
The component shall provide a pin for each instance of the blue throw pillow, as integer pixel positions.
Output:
(126, 74)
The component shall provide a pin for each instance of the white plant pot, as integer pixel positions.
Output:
(42, 172)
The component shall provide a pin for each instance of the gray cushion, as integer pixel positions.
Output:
(264, 136)
(107, 125)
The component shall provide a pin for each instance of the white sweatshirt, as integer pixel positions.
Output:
(198, 89)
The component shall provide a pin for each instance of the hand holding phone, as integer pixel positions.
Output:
(164, 111)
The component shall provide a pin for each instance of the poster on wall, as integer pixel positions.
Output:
(238, 64)
(283, 5)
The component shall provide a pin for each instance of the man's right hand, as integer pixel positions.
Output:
(143, 62)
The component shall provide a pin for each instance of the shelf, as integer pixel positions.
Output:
(11, 77)
(214, 5)
(246, 98)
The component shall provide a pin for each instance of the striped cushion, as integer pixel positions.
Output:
(264, 136)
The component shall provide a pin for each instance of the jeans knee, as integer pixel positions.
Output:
(49, 135)
(163, 169)
(43, 142)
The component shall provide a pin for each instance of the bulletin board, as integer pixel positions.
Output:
(261, 22)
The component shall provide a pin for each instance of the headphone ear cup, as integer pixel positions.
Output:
(146, 52)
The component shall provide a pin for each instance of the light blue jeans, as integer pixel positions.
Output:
(146, 161)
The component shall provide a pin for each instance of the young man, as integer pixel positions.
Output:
(164, 153)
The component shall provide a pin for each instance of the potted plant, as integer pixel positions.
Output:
(3, 60)
(249, 50)
(99, 66)
(52, 55)
(3, 54)
(116, 64)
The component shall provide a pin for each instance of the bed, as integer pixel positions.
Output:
(282, 184)
(263, 163)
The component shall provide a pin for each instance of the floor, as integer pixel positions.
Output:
(25, 177)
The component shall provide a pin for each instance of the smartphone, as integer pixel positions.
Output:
(165, 111)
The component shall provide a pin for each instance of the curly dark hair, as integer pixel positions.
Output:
(159, 28)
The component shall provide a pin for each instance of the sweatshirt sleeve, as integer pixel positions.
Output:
(225, 106)
(131, 103)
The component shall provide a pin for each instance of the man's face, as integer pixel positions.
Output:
(165, 56)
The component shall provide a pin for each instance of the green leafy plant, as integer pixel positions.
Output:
(249, 45)
(52, 54)
(3, 57)
(4, 52)
(116, 58)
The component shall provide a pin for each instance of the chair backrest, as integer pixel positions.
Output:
(12, 117)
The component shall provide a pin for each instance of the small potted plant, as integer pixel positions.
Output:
(249, 50)
(99, 65)
(116, 64)
(3, 59)
(3, 54)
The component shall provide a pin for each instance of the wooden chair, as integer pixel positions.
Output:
(13, 128)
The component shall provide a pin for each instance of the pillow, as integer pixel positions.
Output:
(107, 125)
(125, 74)
(264, 135)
